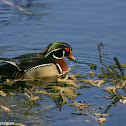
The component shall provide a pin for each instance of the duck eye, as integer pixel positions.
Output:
(67, 49)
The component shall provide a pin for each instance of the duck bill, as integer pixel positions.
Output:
(71, 57)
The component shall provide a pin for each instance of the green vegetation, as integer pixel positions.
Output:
(66, 88)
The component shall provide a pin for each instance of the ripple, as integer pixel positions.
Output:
(81, 66)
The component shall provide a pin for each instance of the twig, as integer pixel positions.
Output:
(20, 8)
(29, 92)
(32, 97)
(119, 66)
(113, 103)
(111, 71)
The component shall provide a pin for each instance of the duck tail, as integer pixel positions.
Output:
(10, 62)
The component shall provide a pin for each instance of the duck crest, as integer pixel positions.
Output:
(54, 47)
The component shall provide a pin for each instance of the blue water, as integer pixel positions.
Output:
(80, 23)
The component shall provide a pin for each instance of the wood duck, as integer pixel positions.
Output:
(48, 63)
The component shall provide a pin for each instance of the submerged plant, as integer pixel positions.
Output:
(65, 89)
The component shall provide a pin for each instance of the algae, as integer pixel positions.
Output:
(66, 88)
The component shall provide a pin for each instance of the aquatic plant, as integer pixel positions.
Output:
(66, 88)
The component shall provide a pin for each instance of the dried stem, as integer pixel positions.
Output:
(20, 8)
(111, 71)
(119, 66)
(32, 97)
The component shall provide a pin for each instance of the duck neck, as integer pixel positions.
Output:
(63, 64)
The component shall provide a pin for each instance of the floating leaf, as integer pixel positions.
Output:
(123, 101)
(102, 120)
(96, 83)
(2, 93)
(80, 106)
(5, 108)
(91, 73)
(103, 114)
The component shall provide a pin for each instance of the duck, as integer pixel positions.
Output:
(48, 63)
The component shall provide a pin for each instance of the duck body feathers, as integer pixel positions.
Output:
(19, 66)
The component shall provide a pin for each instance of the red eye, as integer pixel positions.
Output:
(67, 49)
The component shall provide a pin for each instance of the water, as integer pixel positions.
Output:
(82, 24)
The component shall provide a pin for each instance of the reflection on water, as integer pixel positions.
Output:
(5, 14)
(10, 14)
(82, 24)
(22, 108)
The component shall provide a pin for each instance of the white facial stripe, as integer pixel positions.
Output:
(53, 51)
(50, 47)
(63, 53)
(57, 57)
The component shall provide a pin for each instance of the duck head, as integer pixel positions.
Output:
(59, 50)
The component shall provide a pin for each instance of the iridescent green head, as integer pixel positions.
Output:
(58, 50)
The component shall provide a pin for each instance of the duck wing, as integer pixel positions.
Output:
(25, 62)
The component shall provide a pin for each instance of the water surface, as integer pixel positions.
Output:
(80, 23)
